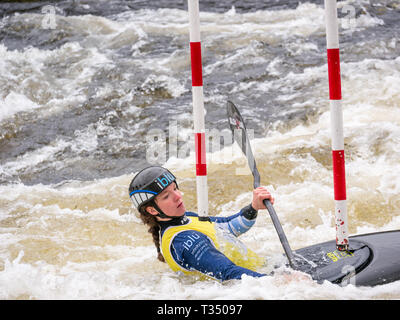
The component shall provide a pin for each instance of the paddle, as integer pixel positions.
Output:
(239, 132)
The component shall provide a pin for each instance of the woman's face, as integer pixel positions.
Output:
(170, 202)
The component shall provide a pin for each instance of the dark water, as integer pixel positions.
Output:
(43, 68)
(106, 8)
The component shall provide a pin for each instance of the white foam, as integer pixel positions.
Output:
(14, 103)
(27, 68)
(45, 282)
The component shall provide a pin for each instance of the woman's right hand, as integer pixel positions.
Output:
(259, 195)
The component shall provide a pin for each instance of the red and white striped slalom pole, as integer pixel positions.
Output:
(198, 107)
(335, 96)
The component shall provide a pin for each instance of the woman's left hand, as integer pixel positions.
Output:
(260, 194)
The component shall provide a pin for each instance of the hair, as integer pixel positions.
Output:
(154, 229)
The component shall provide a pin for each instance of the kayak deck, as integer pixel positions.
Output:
(372, 259)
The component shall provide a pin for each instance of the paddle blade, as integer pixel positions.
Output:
(238, 127)
(236, 124)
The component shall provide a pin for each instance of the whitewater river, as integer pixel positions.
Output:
(86, 88)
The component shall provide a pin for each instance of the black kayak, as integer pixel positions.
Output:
(372, 259)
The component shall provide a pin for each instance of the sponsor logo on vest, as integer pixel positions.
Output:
(191, 239)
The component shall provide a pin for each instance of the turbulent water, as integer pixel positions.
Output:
(86, 88)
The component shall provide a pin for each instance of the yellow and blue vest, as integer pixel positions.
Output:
(197, 245)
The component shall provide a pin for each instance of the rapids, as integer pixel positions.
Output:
(91, 92)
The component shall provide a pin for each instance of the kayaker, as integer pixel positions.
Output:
(191, 244)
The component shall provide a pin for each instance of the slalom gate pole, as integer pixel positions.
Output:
(335, 96)
(198, 107)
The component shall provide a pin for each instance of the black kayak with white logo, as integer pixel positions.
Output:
(372, 259)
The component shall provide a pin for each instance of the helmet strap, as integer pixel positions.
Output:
(161, 214)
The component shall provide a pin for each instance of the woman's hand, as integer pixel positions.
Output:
(260, 194)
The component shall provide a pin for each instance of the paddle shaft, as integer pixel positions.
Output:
(236, 122)
(274, 218)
